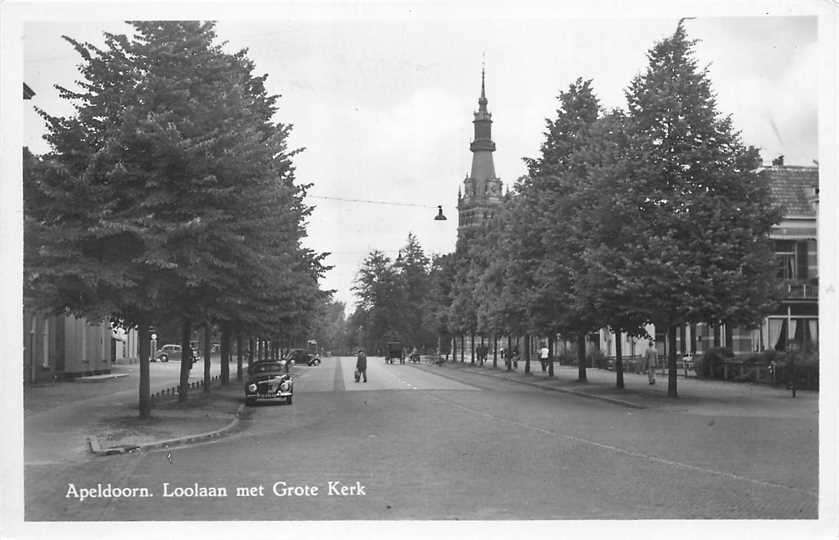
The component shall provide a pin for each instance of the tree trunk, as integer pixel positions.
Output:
(472, 348)
(551, 348)
(454, 348)
(619, 357)
(186, 359)
(225, 354)
(581, 357)
(494, 351)
(693, 339)
(207, 347)
(526, 353)
(143, 337)
(716, 335)
(462, 347)
(671, 361)
(238, 357)
(729, 337)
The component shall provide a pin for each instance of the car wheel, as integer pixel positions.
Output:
(163, 358)
(288, 400)
(250, 402)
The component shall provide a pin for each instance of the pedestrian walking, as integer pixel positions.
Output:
(361, 366)
(543, 357)
(651, 361)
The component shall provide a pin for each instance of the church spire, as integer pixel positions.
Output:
(481, 188)
(482, 101)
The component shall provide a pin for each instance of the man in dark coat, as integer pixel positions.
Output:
(361, 365)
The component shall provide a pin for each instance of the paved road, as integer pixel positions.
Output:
(418, 444)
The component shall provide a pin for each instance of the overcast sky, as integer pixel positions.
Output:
(384, 106)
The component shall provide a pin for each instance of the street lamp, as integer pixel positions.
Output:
(439, 216)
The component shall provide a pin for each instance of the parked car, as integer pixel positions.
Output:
(268, 381)
(172, 352)
(301, 356)
(166, 353)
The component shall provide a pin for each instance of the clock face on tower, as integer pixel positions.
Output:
(494, 188)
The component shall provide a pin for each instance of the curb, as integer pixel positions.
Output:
(167, 443)
(543, 386)
(100, 378)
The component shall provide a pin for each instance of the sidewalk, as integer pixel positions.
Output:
(695, 396)
(66, 421)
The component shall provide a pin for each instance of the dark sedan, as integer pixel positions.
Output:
(268, 381)
(302, 357)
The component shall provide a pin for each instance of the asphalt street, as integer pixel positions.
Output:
(434, 443)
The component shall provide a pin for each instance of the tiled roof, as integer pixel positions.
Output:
(793, 188)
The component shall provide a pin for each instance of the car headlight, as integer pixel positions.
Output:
(285, 386)
(251, 387)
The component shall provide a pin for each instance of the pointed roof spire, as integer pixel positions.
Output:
(483, 99)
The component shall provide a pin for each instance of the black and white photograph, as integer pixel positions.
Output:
(368, 269)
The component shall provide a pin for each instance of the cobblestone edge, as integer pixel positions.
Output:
(96, 448)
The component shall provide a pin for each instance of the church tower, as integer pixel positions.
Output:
(481, 193)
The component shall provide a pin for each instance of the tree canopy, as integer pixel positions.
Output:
(171, 190)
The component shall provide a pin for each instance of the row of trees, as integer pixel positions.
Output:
(652, 215)
(395, 301)
(656, 214)
(170, 194)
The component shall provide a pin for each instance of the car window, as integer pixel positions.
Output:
(263, 368)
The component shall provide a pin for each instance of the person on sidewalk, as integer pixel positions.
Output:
(361, 366)
(651, 361)
(543, 357)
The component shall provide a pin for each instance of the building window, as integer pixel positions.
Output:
(785, 255)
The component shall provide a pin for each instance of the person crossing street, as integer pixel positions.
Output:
(361, 366)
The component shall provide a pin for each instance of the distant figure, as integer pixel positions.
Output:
(361, 366)
(650, 361)
(543, 357)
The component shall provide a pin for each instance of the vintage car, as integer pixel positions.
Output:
(173, 352)
(394, 352)
(301, 356)
(268, 381)
(166, 353)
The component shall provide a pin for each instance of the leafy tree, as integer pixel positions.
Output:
(550, 202)
(702, 213)
(412, 267)
(331, 327)
(379, 302)
(170, 192)
(604, 223)
(436, 308)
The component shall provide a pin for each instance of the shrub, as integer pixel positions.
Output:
(567, 358)
(709, 365)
